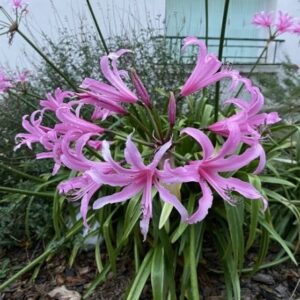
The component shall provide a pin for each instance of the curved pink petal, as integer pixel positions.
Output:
(126, 193)
(168, 197)
(202, 140)
(159, 154)
(204, 204)
(132, 154)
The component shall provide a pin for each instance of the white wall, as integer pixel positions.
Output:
(291, 47)
(114, 16)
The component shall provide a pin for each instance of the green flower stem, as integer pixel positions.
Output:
(256, 63)
(193, 264)
(220, 56)
(179, 157)
(134, 118)
(124, 137)
(97, 26)
(47, 60)
(25, 192)
(155, 124)
(20, 173)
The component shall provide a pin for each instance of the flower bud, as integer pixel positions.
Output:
(172, 109)
(140, 88)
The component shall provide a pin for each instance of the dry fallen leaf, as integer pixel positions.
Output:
(62, 293)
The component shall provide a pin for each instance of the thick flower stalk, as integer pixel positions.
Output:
(154, 159)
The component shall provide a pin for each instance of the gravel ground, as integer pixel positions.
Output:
(281, 282)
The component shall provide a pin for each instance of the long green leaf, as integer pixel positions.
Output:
(158, 273)
(141, 277)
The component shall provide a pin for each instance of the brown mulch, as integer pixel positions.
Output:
(281, 282)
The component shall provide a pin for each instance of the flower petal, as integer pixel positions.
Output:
(202, 139)
(126, 193)
(204, 204)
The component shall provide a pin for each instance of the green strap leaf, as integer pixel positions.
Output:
(141, 277)
(158, 274)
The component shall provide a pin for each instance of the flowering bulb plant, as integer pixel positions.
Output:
(155, 157)
(158, 174)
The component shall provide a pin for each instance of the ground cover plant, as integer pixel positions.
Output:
(161, 173)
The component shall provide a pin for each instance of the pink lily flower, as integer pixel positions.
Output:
(207, 70)
(139, 178)
(103, 107)
(263, 19)
(284, 22)
(22, 77)
(52, 103)
(18, 3)
(84, 186)
(206, 171)
(36, 131)
(248, 120)
(117, 89)
(5, 82)
(296, 28)
(71, 121)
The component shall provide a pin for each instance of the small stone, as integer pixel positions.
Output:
(282, 290)
(264, 278)
(83, 270)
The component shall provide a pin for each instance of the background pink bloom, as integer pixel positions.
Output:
(5, 82)
(296, 28)
(22, 76)
(284, 22)
(263, 19)
(18, 4)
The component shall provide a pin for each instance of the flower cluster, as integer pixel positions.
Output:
(284, 23)
(6, 83)
(77, 133)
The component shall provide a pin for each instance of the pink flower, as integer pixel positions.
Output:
(248, 118)
(22, 77)
(284, 22)
(248, 121)
(263, 19)
(84, 186)
(71, 121)
(102, 107)
(52, 103)
(37, 133)
(5, 82)
(117, 90)
(296, 28)
(18, 3)
(139, 178)
(207, 70)
(206, 171)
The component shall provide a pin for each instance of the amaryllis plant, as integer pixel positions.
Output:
(112, 133)
(165, 176)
